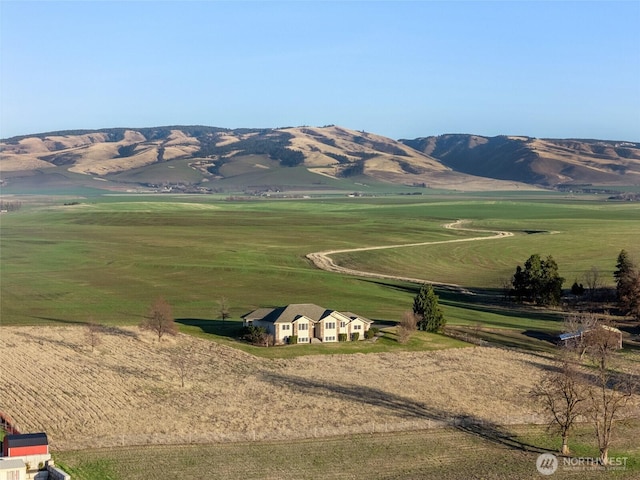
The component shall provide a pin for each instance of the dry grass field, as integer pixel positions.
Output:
(128, 391)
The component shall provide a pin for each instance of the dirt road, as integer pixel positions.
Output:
(324, 261)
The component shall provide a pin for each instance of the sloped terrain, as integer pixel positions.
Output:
(204, 159)
(201, 157)
(545, 162)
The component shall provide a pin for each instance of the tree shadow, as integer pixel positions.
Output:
(542, 336)
(231, 329)
(405, 407)
(117, 331)
(61, 320)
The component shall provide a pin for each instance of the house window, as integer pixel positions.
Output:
(343, 324)
(303, 326)
(357, 327)
(286, 327)
(13, 475)
(303, 340)
(330, 339)
(330, 325)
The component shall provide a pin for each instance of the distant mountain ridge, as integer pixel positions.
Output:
(545, 162)
(203, 158)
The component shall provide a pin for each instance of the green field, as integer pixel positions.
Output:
(110, 257)
(443, 453)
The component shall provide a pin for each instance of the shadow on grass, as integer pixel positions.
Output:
(542, 336)
(62, 320)
(230, 329)
(504, 309)
(404, 406)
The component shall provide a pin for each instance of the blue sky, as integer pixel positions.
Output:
(400, 69)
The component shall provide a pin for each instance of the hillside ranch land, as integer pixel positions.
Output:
(108, 258)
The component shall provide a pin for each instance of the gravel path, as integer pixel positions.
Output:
(323, 260)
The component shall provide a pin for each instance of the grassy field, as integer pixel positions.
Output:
(450, 453)
(110, 257)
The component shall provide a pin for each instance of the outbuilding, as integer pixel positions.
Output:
(12, 469)
(22, 444)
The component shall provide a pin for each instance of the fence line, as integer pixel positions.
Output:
(253, 435)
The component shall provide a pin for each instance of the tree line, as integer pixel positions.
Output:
(538, 281)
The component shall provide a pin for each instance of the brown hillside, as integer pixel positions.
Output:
(545, 162)
(124, 155)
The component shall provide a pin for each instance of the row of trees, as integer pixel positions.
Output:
(539, 281)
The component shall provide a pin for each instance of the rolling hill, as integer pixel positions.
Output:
(209, 159)
(546, 162)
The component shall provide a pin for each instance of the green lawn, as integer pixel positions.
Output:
(228, 333)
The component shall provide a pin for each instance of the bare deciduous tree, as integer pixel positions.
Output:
(562, 394)
(594, 281)
(407, 326)
(160, 319)
(610, 390)
(223, 308)
(183, 360)
(580, 323)
(92, 334)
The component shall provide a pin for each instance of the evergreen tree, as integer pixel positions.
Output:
(627, 285)
(539, 281)
(427, 310)
(623, 274)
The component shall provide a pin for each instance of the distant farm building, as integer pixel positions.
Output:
(612, 335)
(309, 323)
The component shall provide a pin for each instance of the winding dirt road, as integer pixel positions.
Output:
(323, 260)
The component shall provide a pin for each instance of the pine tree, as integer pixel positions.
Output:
(623, 274)
(539, 281)
(426, 308)
(627, 285)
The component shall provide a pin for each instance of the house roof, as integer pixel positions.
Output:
(353, 316)
(569, 335)
(258, 314)
(294, 311)
(579, 333)
(11, 463)
(25, 440)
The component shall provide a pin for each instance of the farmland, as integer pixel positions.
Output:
(447, 453)
(108, 258)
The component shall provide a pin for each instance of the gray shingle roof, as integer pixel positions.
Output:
(292, 312)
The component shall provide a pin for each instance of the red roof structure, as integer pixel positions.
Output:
(18, 445)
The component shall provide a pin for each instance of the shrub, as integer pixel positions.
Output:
(255, 335)
(355, 336)
(293, 340)
(342, 337)
(369, 334)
